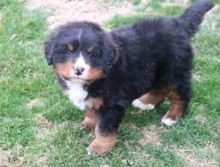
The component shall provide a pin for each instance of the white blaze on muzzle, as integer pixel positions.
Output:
(81, 68)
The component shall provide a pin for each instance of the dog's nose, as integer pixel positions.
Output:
(78, 70)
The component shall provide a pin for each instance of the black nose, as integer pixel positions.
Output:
(79, 70)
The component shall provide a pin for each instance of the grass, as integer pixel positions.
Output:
(39, 126)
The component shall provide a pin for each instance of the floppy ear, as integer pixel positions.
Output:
(48, 51)
(109, 53)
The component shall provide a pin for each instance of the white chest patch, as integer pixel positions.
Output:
(77, 94)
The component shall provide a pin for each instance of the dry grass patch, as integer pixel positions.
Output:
(211, 147)
(17, 155)
(4, 158)
(151, 135)
(90, 10)
(211, 23)
(216, 129)
(42, 122)
(191, 158)
(175, 3)
(41, 160)
(35, 103)
(43, 126)
(200, 119)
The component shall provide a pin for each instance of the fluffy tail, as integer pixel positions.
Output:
(193, 16)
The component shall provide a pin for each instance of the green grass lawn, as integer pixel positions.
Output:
(40, 127)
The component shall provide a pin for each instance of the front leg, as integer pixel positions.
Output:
(106, 130)
(91, 119)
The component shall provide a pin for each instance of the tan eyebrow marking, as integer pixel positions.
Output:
(91, 49)
(71, 47)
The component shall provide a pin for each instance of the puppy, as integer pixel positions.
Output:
(139, 64)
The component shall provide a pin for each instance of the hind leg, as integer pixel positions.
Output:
(149, 100)
(179, 99)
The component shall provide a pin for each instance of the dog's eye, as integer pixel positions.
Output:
(71, 48)
(91, 49)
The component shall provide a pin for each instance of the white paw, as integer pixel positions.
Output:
(91, 152)
(88, 151)
(138, 104)
(167, 121)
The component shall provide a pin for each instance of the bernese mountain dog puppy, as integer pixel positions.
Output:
(140, 64)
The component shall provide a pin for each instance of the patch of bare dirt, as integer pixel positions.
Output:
(175, 3)
(17, 161)
(42, 122)
(43, 126)
(191, 160)
(4, 158)
(17, 155)
(151, 135)
(104, 166)
(211, 147)
(41, 160)
(35, 103)
(200, 119)
(211, 24)
(216, 129)
(74, 10)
